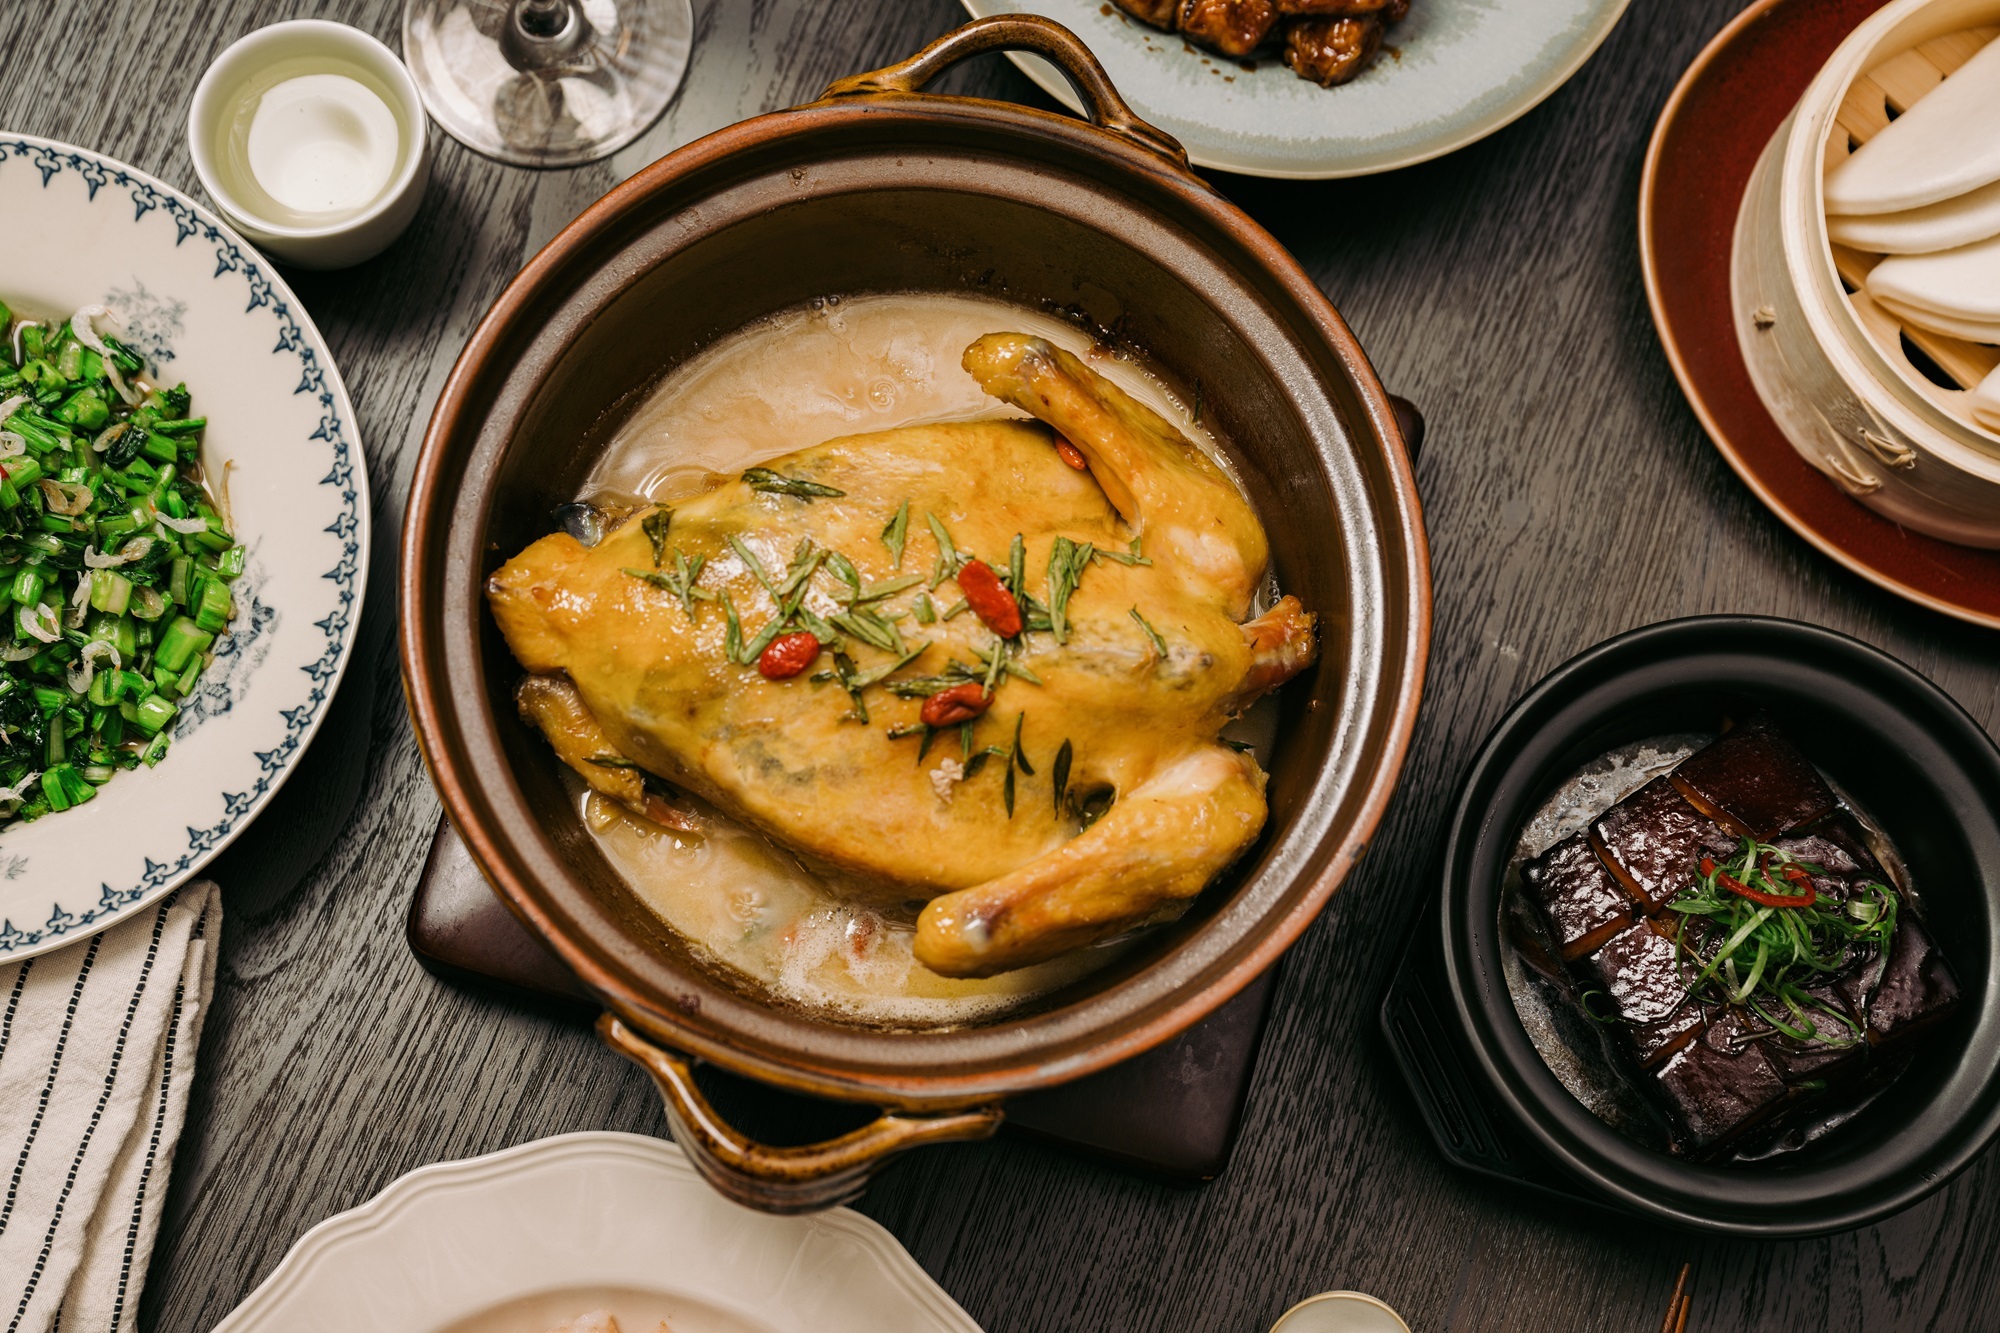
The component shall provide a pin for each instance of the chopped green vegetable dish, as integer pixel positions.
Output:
(115, 563)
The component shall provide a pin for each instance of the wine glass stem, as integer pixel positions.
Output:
(544, 34)
(542, 18)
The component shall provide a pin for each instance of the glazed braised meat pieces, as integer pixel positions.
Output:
(1724, 1070)
(1230, 27)
(1721, 1087)
(1914, 991)
(1838, 850)
(1645, 980)
(1829, 1055)
(1388, 11)
(1754, 782)
(1583, 904)
(1159, 13)
(1653, 839)
(1331, 51)
(1327, 41)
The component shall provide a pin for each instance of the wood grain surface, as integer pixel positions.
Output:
(1570, 495)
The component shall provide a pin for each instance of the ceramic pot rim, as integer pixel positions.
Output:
(1118, 1036)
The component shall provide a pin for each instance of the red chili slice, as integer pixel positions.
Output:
(787, 655)
(960, 703)
(989, 598)
(1758, 896)
(1072, 455)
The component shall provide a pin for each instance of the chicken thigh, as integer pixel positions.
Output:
(980, 664)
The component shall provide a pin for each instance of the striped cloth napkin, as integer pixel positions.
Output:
(97, 1043)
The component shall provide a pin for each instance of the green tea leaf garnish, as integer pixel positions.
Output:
(755, 648)
(751, 563)
(1159, 644)
(868, 627)
(875, 592)
(898, 531)
(680, 581)
(773, 483)
(1067, 561)
(654, 525)
(1131, 556)
(880, 673)
(948, 558)
(843, 569)
(805, 560)
(732, 637)
(843, 667)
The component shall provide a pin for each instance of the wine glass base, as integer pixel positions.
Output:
(536, 83)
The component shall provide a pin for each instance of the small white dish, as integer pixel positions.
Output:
(1340, 1312)
(201, 306)
(1453, 72)
(517, 1241)
(377, 137)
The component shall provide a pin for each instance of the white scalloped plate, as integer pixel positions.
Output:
(1461, 69)
(77, 229)
(519, 1240)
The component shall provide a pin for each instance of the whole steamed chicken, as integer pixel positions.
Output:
(977, 664)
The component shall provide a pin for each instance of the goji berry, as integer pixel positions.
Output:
(787, 655)
(1072, 455)
(960, 703)
(989, 598)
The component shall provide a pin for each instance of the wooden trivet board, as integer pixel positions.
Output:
(1470, 1129)
(1173, 1111)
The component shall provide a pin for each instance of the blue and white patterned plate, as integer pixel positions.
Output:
(1459, 70)
(195, 299)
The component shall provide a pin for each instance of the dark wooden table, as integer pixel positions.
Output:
(1570, 494)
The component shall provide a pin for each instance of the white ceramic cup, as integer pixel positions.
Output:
(350, 240)
(1340, 1312)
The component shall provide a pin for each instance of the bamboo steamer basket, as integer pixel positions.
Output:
(1877, 406)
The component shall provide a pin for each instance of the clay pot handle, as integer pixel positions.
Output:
(783, 1180)
(1410, 421)
(1020, 32)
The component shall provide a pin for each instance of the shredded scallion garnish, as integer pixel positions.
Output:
(1777, 937)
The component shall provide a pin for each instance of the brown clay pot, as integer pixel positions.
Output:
(879, 187)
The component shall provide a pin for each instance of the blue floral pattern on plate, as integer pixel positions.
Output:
(155, 323)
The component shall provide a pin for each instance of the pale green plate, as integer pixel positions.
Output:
(1460, 69)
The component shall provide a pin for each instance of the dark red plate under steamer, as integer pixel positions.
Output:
(1721, 115)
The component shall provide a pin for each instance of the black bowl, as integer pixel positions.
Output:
(1907, 754)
